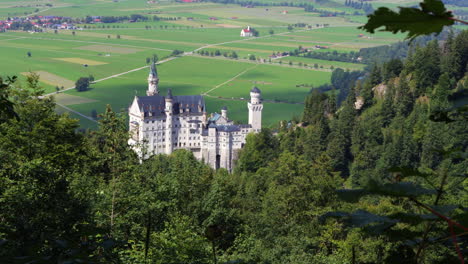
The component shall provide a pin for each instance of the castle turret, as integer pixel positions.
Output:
(255, 109)
(169, 119)
(224, 111)
(153, 80)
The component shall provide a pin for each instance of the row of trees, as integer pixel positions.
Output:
(366, 7)
(232, 55)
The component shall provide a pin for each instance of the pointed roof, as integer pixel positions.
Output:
(169, 94)
(255, 90)
(224, 108)
(153, 70)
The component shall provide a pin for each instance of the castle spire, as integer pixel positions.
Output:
(153, 70)
(255, 107)
(153, 80)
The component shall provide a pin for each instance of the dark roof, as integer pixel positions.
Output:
(191, 102)
(215, 117)
(228, 128)
(153, 70)
(255, 90)
(224, 108)
(156, 104)
(169, 94)
(152, 104)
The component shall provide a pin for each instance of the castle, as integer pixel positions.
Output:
(161, 124)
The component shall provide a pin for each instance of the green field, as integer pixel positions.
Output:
(61, 58)
(198, 75)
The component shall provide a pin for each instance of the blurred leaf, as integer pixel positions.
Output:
(400, 189)
(431, 18)
(407, 172)
(62, 243)
(450, 115)
(444, 209)
(351, 196)
(411, 218)
(108, 243)
(361, 218)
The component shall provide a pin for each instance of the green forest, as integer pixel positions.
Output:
(375, 171)
(379, 179)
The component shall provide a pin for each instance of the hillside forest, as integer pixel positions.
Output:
(379, 177)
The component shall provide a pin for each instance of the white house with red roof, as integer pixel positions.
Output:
(246, 32)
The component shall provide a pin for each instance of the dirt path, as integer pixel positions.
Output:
(116, 75)
(76, 112)
(247, 39)
(246, 100)
(173, 58)
(285, 65)
(232, 79)
(96, 42)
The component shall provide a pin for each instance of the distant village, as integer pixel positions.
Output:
(39, 23)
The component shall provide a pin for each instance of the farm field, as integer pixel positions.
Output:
(118, 53)
(275, 83)
(201, 76)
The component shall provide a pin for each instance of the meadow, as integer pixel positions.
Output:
(104, 50)
(198, 75)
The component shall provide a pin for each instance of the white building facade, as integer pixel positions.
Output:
(246, 32)
(161, 124)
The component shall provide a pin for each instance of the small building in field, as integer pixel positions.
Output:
(246, 32)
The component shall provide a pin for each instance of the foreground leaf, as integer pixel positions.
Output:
(431, 18)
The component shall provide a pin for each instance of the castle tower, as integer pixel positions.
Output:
(255, 109)
(153, 80)
(224, 112)
(169, 114)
